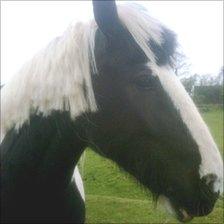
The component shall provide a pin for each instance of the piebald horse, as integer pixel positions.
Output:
(107, 84)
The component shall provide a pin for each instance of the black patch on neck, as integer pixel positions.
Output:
(37, 165)
(164, 52)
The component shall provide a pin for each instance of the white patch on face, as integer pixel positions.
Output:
(78, 181)
(211, 160)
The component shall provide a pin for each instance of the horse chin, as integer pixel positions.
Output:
(180, 213)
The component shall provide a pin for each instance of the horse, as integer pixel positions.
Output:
(107, 84)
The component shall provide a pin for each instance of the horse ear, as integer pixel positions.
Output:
(106, 17)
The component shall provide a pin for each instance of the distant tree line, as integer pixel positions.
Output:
(208, 94)
(204, 89)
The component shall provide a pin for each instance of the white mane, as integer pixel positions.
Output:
(54, 78)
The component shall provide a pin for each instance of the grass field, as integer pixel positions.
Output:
(114, 197)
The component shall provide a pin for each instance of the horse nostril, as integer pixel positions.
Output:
(210, 180)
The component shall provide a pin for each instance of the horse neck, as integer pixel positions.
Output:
(64, 150)
(48, 149)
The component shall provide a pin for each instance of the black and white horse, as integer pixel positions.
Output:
(107, 84)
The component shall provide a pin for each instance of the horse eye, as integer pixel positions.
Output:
(144, 81)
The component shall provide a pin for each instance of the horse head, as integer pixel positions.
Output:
(146, 122)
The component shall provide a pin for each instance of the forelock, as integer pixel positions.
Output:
(155, 40)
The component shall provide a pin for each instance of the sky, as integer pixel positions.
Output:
(28, 26)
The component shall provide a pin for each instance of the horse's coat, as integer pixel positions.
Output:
(107, 84)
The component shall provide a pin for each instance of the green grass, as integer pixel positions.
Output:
(114, 197)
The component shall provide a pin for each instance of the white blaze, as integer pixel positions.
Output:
(211, 160)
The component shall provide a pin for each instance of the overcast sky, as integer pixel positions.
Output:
(27, 26)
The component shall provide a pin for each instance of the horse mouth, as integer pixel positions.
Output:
(180, 213)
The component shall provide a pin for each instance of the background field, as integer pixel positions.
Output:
(114, 197)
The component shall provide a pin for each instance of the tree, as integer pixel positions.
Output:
(182, 66)
(206, 80)
(189, 83)
(211, 94)
(219, 78)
